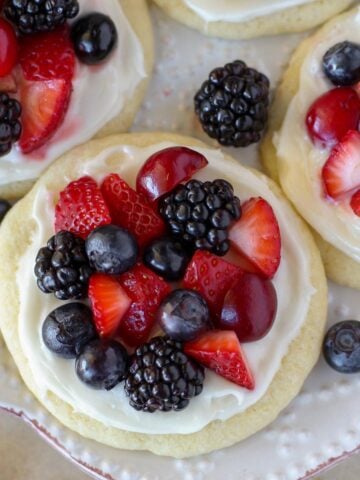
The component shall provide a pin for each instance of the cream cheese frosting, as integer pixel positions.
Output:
(220, 399)
(99, 94)
(239, 10)
(301, 162)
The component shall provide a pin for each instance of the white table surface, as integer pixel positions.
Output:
(26, 456)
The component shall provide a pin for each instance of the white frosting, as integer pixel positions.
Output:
(301, 161)
(220, 398)
(239, 10)
(99, 94)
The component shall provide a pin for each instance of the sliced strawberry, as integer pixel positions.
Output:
(212, 277)
(128, 210)
(341, 172)
(81, 208)
(221, 352)
(48, 55)
(355, 203)
(146, 290)
(256, 235)
(8, 84)
(44, 105)
(332, 115)
(109, 303)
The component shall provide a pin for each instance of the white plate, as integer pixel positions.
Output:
(322, 425)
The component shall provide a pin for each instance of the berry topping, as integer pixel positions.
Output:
(68, 329)
(354, 203)
(94, 37)
(111, 249)
(257, 236)
(81, 208)
(44, 106)
(129, 211)
(221, 352)
(200, 213)
(184, 315)
(162, 377)
(249, 308)
(212, 277)
(146, 291)
(341, 63)
(8, 48)
(341, 347)
(10, 126)
(62, 267)
(332, 115)
(32, 16)
(232, 105)
(102, 364)
(167, 257)
(109, 303)
(341, 172)
(48, 56)
(4, 208)
(164, 170)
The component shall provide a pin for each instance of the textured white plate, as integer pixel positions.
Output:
(322, 425)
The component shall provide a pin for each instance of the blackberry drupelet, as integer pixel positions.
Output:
(10, 126)
(62, 267)
(161, 377)
(32, 16)
(200, 213)
(232, 105)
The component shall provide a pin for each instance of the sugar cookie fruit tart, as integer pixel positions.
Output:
(156, 295)
(69, 71)
(252, 18)
(313, 143)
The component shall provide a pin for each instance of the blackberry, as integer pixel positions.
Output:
(232, 105)
(10, 126)
(201, 213)
(62, 267)
(32, 16)
(161, 377)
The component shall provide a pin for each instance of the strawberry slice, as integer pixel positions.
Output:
(128, 210)
(81, 208)
(109, 303)
(341, 172)
(146, 291)
(44, 105)
(355, 203)
(212, 277)
(48, 55)
(221, 352)
(256, 235)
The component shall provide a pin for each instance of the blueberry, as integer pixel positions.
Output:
(341, 347)
(111, 249)
(341, 63)
(67, 329)
(94, 37)
(4, 208)
(167, 257)
(102, 364)
(183, 315)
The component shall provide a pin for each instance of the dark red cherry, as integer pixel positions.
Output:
(165, 169)
(249, 307)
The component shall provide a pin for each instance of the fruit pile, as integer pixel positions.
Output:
(333, 122)
(38, 51)
(118, 247)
